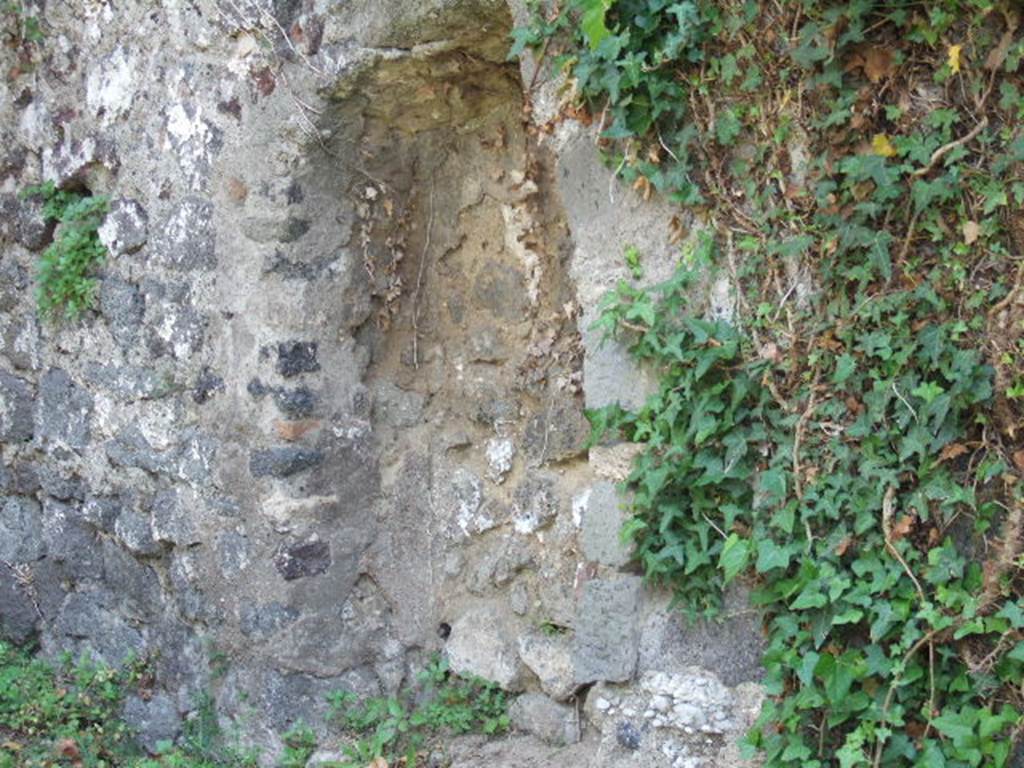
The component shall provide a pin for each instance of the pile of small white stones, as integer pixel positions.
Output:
(693, 702)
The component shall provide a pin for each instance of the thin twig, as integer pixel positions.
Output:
(926, 640)
(712, 524)
(665, 147)
(945, 149)
(888, 511)
(909, 236)
(904, 401)
(798, 434)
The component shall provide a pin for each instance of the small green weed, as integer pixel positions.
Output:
(65, 281)
(402, 727)
(299, 745)
(18, 26)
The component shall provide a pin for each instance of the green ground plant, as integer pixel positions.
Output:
(65, 278)
(404, 726)
(847, 442)
(69, 715)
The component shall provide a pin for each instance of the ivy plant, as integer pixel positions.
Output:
(846, 442)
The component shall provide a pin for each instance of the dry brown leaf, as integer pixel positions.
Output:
(951, 451)
(877, 63)
(643, 186)
(902, 528)
(971, 232)
(68, 748)
(11, 746)
(677, 231)
(844, 545)
(378, 762)
(1018, 459)
(997, 55)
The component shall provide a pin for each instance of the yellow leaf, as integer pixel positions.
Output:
(954, 58)
(971, 232)
(881, 145)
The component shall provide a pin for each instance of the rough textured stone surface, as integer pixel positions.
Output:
(283, 462)
(549, 657)
(153, 721)
(65, 410)
(549, 721)
(601, 526)
(295, 357)
(21, 530)
(731, 646)
(125, 228)
(607, 637)
(308, 559)
(480, 644)
(16, 422)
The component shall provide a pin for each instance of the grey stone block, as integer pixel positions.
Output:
(152, 721)
(607, 630)
(611, 376)
(21, 530)
(123, 305)
(16, 422)
(549, 721)
(601, 526)
(731, 647)
(125, 228)
(549, 657)
(187, 241)
(310, 558)
(65, 410)
(283, 462)
(481, 644)
(86, 622)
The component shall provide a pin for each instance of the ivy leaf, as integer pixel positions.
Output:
(734, 557)
(727, 127)
(592, 22)
(931, 756)
(770, 556)
(1013, 613)
(957, 726)
(810, 597)
(845, 366)
(1017, 654)
(773, 486)
(928, 391)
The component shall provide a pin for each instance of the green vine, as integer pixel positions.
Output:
(65, 280)
(847, 442)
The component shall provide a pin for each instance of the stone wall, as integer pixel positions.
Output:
(326, 418)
